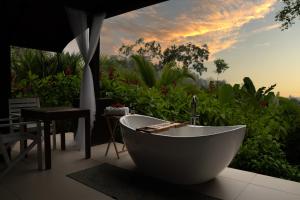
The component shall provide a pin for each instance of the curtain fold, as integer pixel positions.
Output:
(87, 39)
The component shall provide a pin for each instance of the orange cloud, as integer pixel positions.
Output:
(216, 23)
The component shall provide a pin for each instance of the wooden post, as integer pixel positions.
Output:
(5, 75)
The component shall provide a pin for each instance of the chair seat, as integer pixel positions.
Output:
(12, 137)
(14, 132)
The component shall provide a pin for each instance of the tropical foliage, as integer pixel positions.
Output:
(271, 145)
(272, 122)
(54, 78)
(289, 13)
(221, 66)
(184, 55)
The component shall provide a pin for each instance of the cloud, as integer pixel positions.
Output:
(215, 23)
(265, 44)
(266, 28)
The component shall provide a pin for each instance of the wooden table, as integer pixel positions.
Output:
(58, 113)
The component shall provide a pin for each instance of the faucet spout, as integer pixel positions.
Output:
(194, 116)
(194, 105)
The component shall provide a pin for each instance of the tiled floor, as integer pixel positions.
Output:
(24, 182)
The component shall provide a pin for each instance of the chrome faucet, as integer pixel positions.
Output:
(194, 116)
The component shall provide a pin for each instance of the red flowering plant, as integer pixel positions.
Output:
(68, 71)
(174, 83)
(164, 90)
(263, 103)
(117, 105)
(111, 73)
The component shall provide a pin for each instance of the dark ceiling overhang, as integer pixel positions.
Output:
(43, 24)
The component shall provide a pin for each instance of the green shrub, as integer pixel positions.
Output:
(56, 90)
(263, 154)
(269, 126)
(271, 144)
(292, 147)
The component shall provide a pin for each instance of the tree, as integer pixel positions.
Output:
(146, 70)
(221, 66)
(187, 55)
(184, 55)
(170, 74)
(42, 63)
(289, 13)
(150, 50)
(173, 75)
(262, 96)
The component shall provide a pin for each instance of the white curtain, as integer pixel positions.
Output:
(87, 43)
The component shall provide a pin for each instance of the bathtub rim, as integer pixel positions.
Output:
(235, 127)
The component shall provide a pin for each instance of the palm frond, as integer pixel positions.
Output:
(146, 70)
(171, 74)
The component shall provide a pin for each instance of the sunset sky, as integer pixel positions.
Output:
(243, 33)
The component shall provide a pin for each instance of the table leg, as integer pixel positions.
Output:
(112, 137)
(63, 141)
(25, 142)
(123, 148)
(110, 132)
(107, 148)
(39, 146)
(47, 145)
(87, 137)
(54, 134)
(54, 141)
(117, 152)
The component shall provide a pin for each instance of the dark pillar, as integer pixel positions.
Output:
(95, 67)
(5, 76)
(99, 131)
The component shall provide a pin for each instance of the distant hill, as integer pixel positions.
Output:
(296, 99)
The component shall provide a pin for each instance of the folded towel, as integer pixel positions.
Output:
(116, 111)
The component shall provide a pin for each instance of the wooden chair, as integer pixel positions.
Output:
(11, 133)
(15, 106)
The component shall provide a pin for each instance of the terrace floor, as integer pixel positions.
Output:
(24, 182)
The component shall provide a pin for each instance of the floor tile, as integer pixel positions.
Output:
(221, 187)
(7, 195)
(254, 192)
(25, 182)
(277, 183)
(238, 174)
(31, 184)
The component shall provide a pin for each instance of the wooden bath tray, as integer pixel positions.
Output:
(161, 127)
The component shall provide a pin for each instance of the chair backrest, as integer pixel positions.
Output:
(15, 105)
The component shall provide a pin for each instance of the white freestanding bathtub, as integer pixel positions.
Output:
(185, 155)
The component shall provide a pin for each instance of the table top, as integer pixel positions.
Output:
(51, 113)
